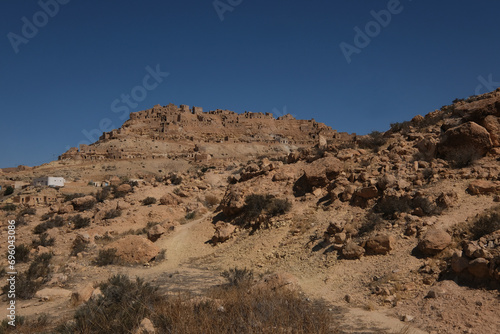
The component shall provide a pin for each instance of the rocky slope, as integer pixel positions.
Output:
(393, 229)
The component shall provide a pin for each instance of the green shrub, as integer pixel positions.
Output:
(79, 245)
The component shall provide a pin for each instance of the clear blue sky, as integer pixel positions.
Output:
(264, 56)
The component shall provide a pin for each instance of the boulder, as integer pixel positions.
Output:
(52, 293)
(434, 241)
(233, 202)
(386, 181)
(82, 294)
(223, 232)
(465, 141)
(155, 232)
(124, 188)
(367, 192)
(380, 244)
(459, 263)
(170, 199)
(492, 124)
(134, 249)
(352, 250)
(479, 268)
(145, 327)
(482, 187)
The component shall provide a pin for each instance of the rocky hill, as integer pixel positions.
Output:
(396, 232)
(171, 131)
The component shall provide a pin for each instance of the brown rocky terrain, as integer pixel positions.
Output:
(396, 231)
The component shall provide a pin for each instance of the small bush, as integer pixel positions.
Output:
(372, 141)
(28, 211)
(106, 257)
(8, 191)
(124, 303)
(47, 216)
(256, 205)
(79, 245)
(211, 200)
(28, 282)
(113, 213)
(70, 197)
(484, 224)
(103, 194)
(190, 215)
(22, 253)
(9, 207)
(238, 277)
(43, 240)
(57, 221)
(175, 179)
(88, 205)
(149, 201)
(80, 222)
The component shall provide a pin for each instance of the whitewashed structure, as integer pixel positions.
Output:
(49, 181)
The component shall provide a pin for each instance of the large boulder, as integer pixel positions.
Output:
(492, 124)
(170, 199)
(233, 202)
(463, 142)
(318, 174)
(134, 249)
(481, 187)
(434, 241)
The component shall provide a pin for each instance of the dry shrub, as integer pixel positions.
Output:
(106, 257)
(225, 309)
(484, 224)
(211, 200)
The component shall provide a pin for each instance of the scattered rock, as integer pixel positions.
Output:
(434, 241)
(380, 244)
(352, 250)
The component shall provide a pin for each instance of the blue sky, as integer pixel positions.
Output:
(69, 76)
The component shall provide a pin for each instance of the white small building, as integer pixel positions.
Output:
(49, 181)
